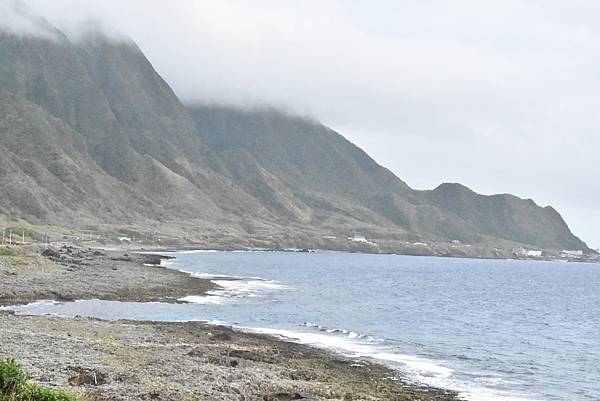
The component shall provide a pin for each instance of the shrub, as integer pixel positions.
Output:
(33, 393)
(14, 386)
(12, 377)
(19, 231)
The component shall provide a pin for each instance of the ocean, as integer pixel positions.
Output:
(489, 329)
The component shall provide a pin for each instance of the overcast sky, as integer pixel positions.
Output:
(502, 96)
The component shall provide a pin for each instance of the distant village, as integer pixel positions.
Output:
(536, 254)
(518, 253)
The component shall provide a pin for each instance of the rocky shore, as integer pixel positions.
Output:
(68, 273)
(127, 360)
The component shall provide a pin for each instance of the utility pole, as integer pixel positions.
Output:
(23, 238)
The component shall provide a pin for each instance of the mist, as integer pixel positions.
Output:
(500, 96)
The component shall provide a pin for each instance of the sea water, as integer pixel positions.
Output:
(489, 329)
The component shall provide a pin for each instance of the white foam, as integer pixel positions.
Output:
(210, 276)
(420, 370)
(415, 364)
(204, 300)
(41, 302)
(349, 334)
(207, 276)
(244, 288)
(350, 346)
(232, 287)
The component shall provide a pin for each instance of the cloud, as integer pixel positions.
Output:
(15, 17)
(499, 95)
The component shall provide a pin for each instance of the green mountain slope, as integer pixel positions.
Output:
(505, 216)
(331, 174)
(46, 174)
(138, 137)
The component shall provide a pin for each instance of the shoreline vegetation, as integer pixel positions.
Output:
(15, 386)
(133, 360)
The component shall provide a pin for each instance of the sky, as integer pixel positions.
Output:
(501, 96)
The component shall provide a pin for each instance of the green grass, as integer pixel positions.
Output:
(9, 251)
(15, 387)
(18, 231)
(12, 256)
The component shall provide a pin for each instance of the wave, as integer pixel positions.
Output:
(348, 333)
(204, 299)
(208, 276)
(353, 346)
(211, 276)
(416, 369)
(245, 288)
(41, 302)
(231, 288)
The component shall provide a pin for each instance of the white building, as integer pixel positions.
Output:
(361, 238)
(358, 238)
(571, 254)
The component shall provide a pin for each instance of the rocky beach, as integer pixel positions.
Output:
(132, 360)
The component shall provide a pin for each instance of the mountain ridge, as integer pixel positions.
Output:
(126, 151)
(227, 128)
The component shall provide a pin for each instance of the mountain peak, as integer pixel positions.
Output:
(452, 187)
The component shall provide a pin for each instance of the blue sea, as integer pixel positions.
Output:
(489, 329)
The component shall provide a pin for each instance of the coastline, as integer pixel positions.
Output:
(70, 273)
(159, 360)
(131, 360)
(441, 250)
